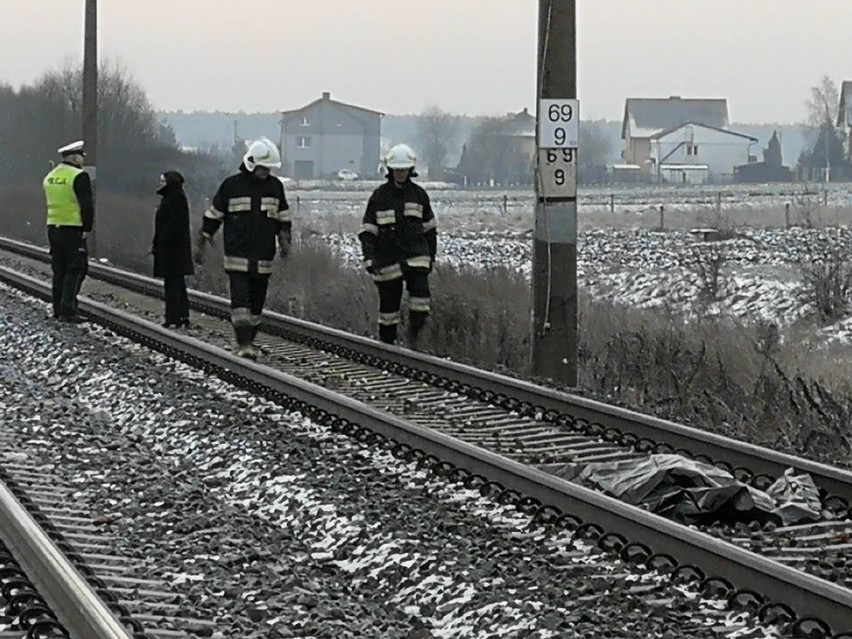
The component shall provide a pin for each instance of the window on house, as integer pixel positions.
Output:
(692, 149)
(303, 142)
(306, 121)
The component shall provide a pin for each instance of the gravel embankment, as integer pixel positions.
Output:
(273, 526)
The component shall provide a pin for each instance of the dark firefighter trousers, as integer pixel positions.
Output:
(390, 302)
(248, 295)
(69, 260)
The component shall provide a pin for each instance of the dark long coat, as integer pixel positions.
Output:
(172, 244)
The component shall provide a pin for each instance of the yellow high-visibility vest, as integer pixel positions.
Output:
(63, 209)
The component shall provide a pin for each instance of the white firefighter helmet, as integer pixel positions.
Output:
(262, 152)
(400, 157)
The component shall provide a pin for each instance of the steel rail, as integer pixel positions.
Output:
(809, 596)
(75, 604)
(679, 437)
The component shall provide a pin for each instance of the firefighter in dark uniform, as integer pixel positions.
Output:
(254, 210)
(399, 240)
(70, 215)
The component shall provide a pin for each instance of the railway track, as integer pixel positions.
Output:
(751, 580)
(526, 413)
(40, 587)
(59, 573)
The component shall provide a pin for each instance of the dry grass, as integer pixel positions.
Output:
(466, 323)
(736, 380)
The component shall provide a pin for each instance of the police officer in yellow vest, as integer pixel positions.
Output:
(70, 215)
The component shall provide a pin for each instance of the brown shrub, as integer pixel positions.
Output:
(475, 315)
(732, 379)
(826, 287)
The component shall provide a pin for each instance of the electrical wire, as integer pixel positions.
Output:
(545, 325)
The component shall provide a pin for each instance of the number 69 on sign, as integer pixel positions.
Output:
(559, 124)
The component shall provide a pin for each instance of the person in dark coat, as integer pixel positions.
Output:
(172, 247)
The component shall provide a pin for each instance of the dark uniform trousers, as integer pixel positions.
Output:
(390, 303)
(248, 295)
(69, 260)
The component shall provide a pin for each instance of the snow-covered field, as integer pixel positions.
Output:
(620, 199)
(623, 256)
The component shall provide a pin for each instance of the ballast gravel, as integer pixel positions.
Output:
(271, 525)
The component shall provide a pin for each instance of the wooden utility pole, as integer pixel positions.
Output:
(90, 105)
(554, 331)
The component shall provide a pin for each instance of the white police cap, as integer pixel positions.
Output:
(75, 148)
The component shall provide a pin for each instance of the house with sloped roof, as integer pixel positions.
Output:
(679, 139)
(844, 116)
(326, 136)
(520, 130)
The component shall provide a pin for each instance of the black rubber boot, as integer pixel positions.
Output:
(387, 334)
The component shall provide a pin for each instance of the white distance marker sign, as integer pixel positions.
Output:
(559, 124)
(558, 170)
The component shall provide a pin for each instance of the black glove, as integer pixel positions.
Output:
(283, 244)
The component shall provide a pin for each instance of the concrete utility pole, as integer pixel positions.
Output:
(554, 338)
(90, 105)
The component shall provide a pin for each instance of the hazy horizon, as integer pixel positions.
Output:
(260, 57)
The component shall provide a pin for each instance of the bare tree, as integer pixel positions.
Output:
(822, 107)
(133, 145)
(707, 262)
(826, 286)
(436, 133)
(823, 104)
(482, 152)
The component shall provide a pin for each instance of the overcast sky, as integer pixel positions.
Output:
(466, 56)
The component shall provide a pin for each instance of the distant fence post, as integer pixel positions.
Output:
(787, 215)
(298, 205)
(719, 205)
(612, 202)
(505, 204)
(825, 197)
(662, 218)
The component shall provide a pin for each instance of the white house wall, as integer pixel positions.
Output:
(719, 150)
(341, 152)
(338, 139)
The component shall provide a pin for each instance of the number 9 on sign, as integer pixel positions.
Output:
(557, 172)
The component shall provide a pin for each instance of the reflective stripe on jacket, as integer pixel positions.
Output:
(253, 212)
(398, 228)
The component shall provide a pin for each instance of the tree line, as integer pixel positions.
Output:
(134, 147)
(499, 149)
